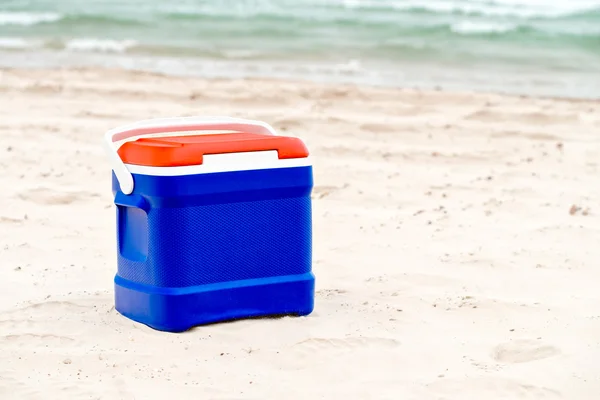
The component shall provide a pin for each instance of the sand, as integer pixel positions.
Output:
(455, 246)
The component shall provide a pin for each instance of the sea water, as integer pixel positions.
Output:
(519, 46)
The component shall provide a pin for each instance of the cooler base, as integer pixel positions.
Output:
(179, 309)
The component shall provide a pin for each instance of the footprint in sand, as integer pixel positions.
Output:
(491, 388)
(33, 339)
(533, 136)
(323, 191)
(47, 196)
(10, 220)
(36, 317)
(380, 128)
(521, 351)
(534, 117)
(289, 123)
(315, 344)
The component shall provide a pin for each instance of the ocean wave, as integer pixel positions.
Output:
(240, 54)
(333, 9)
(17, 43)
(75, 45)
(27, 18)
(100, 45)
(482, 27)
(507, 8)
(350, 67)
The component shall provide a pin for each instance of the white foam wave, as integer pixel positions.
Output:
(349, 67)
(100, 45)
(26, 18)
(498, 8)
(16, 43)
(479, 27)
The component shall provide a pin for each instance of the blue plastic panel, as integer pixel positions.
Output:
(190, 233)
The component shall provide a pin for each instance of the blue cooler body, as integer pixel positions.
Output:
(196, 248)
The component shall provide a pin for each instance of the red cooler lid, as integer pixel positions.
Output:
(177, 151)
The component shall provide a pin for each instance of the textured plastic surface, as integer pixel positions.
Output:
(195, 249)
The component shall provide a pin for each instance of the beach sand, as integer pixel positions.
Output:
(455, 246)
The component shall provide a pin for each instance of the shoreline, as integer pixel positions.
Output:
(425, 76)
(295, 80)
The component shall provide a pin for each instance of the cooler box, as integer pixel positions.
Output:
(210, 227)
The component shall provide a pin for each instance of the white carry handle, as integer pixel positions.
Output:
(169, 125)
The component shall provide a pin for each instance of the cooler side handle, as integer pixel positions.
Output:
(169, 125)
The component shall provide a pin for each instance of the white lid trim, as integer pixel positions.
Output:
(229, 162)
(169, 125)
